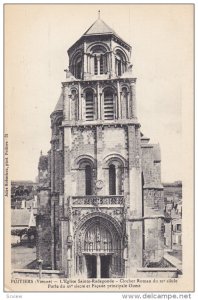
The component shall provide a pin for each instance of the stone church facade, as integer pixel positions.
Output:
(100, 200)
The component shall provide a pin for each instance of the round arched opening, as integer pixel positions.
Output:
(98, 248)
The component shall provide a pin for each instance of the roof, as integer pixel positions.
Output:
(144, 139)
(59, 104)
(43, 162)
(20, 217)
(99, 27)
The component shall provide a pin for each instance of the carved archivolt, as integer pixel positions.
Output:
(114, 157)
(84, 159)
(98, 232)
(83, 223)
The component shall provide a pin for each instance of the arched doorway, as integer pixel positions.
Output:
(98, 248)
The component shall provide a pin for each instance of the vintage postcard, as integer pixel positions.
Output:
(98, 147)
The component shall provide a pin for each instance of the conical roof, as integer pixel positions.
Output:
(59, 104)
(99, 27)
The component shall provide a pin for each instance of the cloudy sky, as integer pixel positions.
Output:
(36, 41)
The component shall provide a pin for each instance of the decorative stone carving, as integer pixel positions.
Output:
(96, 201)
(99, 184)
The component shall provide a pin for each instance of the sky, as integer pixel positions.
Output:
(36, 41)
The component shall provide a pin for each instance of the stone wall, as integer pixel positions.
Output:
(44, 230)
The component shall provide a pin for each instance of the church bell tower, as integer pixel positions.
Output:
(104, 176)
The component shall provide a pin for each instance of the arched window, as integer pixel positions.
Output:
(108, 104)
(89, 105)
(120, 62)
(78, 69)
(114, 166)
(85, 177)
(112, 180)
(99, 57)
(76, 66)
(88, 180)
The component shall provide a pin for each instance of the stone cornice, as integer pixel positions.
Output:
(153, 187)
(131, 219)
(102, 80)
(103, 123)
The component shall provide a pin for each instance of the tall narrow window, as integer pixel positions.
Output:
(88, 180)
(108, 105)
(120, 63)
(89, 105)
(78, 69)
(112, 180)
(95, 65)
(99, 54)
(119, 67)
(101, 64)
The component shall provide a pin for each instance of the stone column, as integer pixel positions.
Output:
(77, 264)
(133, 99)
(79, 103)
(98, 266)
(83, 117)
(117, 181)
(101, 107)
(109, 62)
(68, 262)
(99, 157)
(98, 102)
(91, 62)
(52, 157)
(84, 268)
(66, 102)
(98, 65)
(115, 106)
(84, 67)
(113, 64)
(119, 101)
(63, 245)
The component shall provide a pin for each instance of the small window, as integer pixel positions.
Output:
(78, 69)
(88, 180)
(79, 66)
(178, 227)
(120, 63)
(119, 67)
(112, 180)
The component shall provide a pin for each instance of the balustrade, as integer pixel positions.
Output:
(98, 200)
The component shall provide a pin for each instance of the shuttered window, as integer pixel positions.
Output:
(89, 105)
(108, 105)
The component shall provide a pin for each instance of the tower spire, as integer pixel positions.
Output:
(98, 14)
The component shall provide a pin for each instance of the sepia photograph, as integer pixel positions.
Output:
(98, 147)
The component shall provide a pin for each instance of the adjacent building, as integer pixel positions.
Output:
(173, 215)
